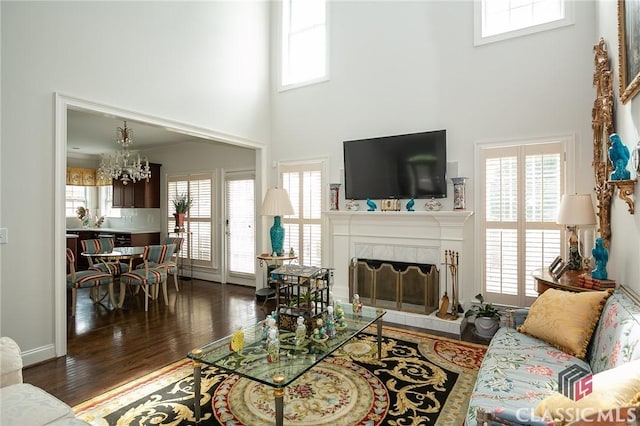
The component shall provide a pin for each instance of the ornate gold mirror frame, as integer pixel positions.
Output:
(602, 124)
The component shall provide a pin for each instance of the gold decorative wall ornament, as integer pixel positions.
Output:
(602, 125)
(629, 64)
(625, 191)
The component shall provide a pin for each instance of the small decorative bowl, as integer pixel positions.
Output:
(341, 327)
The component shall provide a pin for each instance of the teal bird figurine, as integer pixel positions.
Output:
(372, 205)
(410, 205)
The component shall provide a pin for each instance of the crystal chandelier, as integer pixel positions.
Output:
(119, 165)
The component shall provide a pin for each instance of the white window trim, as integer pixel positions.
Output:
(479, 40)
(569, 142)
(284, 87)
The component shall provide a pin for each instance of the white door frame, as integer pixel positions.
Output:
(63, 103)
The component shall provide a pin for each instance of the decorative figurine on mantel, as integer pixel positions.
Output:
(352, 205)
(410, 204)
(433, 205)
(372, 206)
(619, 156)
(601, 257)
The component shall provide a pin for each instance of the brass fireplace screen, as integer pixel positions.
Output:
(400, 286)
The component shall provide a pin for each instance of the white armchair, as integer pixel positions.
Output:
(25, 404)
(10, 362)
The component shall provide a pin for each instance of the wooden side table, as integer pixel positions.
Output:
(568, 281)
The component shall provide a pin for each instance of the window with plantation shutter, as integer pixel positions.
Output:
(303, 229)
(199, 220)
(521, 190)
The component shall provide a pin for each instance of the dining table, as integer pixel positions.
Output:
(116, 255)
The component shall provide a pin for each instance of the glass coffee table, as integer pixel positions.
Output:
(251, 361)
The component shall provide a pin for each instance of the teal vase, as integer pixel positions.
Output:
(277, 236)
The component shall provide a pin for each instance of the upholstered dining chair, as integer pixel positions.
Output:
(149, 276)
(171, 262)
(103, 245)
(87, 279)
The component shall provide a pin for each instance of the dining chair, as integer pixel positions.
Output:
(103, 245)
(171, 262)
(150, 275)
(87, 279)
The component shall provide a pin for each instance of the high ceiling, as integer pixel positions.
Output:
(92, 134)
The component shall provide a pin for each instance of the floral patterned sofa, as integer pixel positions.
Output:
(519, 371)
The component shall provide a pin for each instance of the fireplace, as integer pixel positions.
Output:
(416, 238)
(401, 286)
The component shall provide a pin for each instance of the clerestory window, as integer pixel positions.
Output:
(304, 43)
(502, 19)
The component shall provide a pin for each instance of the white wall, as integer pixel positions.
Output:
(401, 67)
(200, 63)
(624, 256)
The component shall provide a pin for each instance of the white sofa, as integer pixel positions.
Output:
(24, 404)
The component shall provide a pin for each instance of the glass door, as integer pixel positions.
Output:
(240, 228)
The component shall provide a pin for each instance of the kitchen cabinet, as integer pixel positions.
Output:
(141, 194)
(127, 239)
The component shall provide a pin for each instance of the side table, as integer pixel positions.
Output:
(568, 281)
(272, 262)
(186, 246)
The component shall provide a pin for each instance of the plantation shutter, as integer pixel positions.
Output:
(303, 229)
(199, 219)
(521, 186)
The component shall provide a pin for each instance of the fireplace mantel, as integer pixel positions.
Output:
(418, 236)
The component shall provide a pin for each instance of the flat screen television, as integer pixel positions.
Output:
(402, 166)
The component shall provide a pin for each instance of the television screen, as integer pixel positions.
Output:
(402, 166)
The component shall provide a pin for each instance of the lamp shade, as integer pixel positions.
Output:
(276, 203)
(576, 209)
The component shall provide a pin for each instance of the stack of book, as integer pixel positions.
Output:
(587, 281)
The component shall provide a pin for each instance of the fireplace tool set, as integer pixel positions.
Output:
(449, 309)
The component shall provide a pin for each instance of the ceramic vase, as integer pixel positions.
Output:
(486, 327)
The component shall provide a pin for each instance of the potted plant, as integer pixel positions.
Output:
(181, 203)
(487, 318)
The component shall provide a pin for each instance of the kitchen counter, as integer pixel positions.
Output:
(115, 231)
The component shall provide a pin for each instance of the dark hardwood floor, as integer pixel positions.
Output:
(107, 348)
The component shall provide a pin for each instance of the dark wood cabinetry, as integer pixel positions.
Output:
(141, 194)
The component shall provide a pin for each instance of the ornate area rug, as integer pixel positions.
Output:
(420, 380)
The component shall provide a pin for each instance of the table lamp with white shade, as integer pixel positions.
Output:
(277, 204)
(576, 213)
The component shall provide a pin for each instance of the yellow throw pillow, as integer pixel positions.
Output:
(612, 388)
(564, 319)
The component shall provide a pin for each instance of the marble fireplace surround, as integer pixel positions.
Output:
(413, 237)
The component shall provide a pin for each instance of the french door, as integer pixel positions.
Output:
(240, 228)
